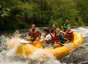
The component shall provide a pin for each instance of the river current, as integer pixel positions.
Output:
(77, 56)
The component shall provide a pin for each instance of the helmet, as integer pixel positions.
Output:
(67, 21)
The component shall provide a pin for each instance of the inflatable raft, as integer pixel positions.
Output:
(28, 49)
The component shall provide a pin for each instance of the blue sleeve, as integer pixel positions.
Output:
(62, 38)
(29, 33)
(39, 32)
(55, 31)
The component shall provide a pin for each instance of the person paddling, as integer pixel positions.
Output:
(49, 38)
(59, 38)
(34, 33)
(66, 25)
(53, 29)
(69, 36)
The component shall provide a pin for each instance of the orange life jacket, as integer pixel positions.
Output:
(57, 38)
(62, 33)
(52, 31)
(68, 35)
(34, 34)
(52, 40)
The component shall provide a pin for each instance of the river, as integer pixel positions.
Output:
(77, 56)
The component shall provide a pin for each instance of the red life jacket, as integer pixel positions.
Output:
(68, 35)
(34, 34)
(57, 38)
(52, 31)
(52, 40)
(62, 33)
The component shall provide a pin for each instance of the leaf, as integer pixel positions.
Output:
(4, 14)
(8, 9)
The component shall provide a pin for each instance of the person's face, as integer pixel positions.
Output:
(33, 27)
(66, 23)
(54, 26)
(45, 32)
(68, 29)
(57, 30)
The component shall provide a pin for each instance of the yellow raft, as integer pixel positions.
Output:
(59, 52)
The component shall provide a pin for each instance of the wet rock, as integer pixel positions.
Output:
(78, 55)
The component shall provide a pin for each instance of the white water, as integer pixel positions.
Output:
(83, 31)
(8, 57)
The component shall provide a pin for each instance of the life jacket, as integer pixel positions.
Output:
(34, 34)
(57, 37)
(62, 33)
(52, 31)
(68, 35)
(52, 40)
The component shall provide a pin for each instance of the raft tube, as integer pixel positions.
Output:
(59, 52)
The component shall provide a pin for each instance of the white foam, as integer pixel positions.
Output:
(83, 31)
(23, 41)
(9, 57)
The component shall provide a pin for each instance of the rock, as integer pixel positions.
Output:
(78, 55)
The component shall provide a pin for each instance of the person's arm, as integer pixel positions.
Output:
(62, 38)
(28, 35)
(41, 41)
(48, 37)
(29, 32)
(40, 33)
(62, 27)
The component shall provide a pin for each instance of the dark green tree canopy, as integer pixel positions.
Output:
(19, 14)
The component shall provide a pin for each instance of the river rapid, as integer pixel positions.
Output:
(77, 56)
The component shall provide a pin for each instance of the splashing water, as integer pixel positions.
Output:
(84, 31)
(9, 57)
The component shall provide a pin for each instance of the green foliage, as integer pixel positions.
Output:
(19, 14)
(4, 11)
(83, 10)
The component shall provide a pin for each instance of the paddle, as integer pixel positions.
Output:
(23, 41)
(68, 46)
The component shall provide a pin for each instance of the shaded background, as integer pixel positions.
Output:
(20, 14)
